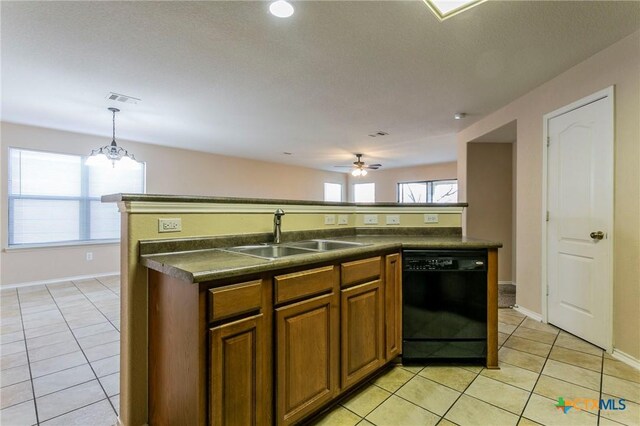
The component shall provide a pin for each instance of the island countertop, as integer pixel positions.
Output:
(209, 264)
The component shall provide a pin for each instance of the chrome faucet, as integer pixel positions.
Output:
(277, 225)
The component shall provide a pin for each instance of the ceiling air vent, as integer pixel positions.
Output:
(378, 133)
(122, 98)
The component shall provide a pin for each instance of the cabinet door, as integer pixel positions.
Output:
(307, 356)
(237, 378)
(393, 306)
(362, 331)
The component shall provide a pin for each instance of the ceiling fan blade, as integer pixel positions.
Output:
(373, 166)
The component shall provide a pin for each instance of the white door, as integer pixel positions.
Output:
(580, 212)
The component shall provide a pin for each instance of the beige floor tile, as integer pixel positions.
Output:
(365, 422)
(521, 359)
(13, 360)
(115, 401)
(50, 339)
(606, 422)
(62, 379)
(93, 329)
(69, 399)
(99, 339)
(544, 411)
(445, 422)
(621, 370)
(50, 351)
(579, 359)
(570, 373)
(512, 375)
(393, 379)
(509, 319)
(111, 384)
(529, 346)
(499, 394)
(19, 414)
(428, 394)
(415, 369)
(396, 411)
(510, 311)
(102, 351)
(11, 337)
(366, 400)
(10, 328)
(339, 416)
(453, 377)
(621, 388)
(540, 326)
(572, 342)
(98, 414)
(502, 337)
(12, 348)
(106, 366)
(538, 336)
(473, 368)
(506, 328)
(15, 394)
(526, 422)
(471, 411)
(45, 330)
(629, 416)
(58, 363)
(552, 388)
(14, 375)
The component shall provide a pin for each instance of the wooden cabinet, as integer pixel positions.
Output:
(307, 356)
(393, 305)
(238, 383)
(362, 335)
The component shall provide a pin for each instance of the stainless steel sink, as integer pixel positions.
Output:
(324, 245)
(269, 251)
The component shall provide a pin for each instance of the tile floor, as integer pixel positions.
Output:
(60, 351)
(60, 365)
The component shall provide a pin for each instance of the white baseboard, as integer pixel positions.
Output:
(626, 358)
(58, 280)
(533, 315)
(504, 282)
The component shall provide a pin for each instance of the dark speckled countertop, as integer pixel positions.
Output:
(213, 263)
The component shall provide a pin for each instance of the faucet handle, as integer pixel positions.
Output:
(279, 212)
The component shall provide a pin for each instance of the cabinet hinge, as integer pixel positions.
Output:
(547, 215)
(547, 289)
(548, 141)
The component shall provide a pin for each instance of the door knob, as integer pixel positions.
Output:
(597, 235)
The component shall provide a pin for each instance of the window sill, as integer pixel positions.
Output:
(23, 247)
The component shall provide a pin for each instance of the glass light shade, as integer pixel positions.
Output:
(281, 9)
(356, 172)
(363, 172)
(96, 160)
(128, 163)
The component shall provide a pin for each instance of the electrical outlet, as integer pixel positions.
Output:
(89, 256)
(393, 219)
(343, 219)
(329, 219)
(170, 225)
(430, 218)
(370, 219)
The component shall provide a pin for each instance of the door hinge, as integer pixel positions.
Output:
(547, 289)
(547, 215)
(548, 141)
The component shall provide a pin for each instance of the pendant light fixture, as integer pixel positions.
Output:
(112, 152)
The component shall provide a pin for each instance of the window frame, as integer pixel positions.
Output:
(429, 184)
(364, 183)
(84, 200)
(325, 192)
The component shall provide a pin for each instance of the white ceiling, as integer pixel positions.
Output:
(229, 78)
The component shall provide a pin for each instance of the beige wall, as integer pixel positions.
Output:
(617, 65)
(489, 194)
(387, 180)
(169, 171)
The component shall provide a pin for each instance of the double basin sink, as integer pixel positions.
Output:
(275, 251)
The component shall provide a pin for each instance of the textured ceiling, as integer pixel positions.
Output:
(229, 78)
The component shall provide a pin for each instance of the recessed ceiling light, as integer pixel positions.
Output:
(288, 153)
(444, 9)
(459, 115)
(281, 9)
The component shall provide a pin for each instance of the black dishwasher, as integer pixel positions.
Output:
(444, 308)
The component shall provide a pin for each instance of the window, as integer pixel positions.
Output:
(332, 192)
(55, 198)
(364, 192)
(432, 191)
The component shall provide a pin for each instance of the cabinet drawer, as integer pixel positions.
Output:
(234, 299)
(360, 271)
(305, 283)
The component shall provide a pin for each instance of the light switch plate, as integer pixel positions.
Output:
(370, 219)
(431, 218)
(393, 219)
(329, 219)
(170, 225)
(343, 219)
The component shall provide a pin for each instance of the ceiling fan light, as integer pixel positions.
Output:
(356, 172)
(363, 172)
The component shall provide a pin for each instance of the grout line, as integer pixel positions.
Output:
(33, 391)
(89, 362)
(79, 408)
(94, 305)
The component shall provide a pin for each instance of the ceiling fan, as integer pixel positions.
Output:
(360, 168)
